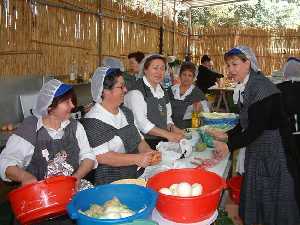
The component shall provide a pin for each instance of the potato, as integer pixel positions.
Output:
(10, 127)
(156, 158)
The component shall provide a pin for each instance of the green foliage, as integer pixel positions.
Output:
(261, 13)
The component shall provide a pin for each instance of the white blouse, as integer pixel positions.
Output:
(18, 151)
(118, 121)
(135, 101)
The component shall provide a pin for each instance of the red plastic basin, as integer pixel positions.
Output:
(235, 184)
(188, 209)
(43, 199)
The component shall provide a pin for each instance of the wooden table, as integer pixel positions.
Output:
(222, 96)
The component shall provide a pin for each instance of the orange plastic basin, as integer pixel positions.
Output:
(188, 209)
(43, 199)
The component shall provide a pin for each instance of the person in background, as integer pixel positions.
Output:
(48, 135)
(206, 77)
(130, 76)
(150, 103)
(270, 186)
(186, 97)
(118, 145)
(290, 89)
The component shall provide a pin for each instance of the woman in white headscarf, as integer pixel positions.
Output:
(290, 89)
(119, 147)
(48, 135)
(150, 104)
(268, 194)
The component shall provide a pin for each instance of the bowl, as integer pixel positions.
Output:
(235, 184)
(188, 209)
(140, 199)
(43, 199)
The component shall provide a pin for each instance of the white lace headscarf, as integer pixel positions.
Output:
(97, 83)
(46, 95)
(113, 62)
(248, 53)
(240, 87)
(142, 64)
(291, 70)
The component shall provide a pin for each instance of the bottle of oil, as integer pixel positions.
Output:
(196, 116)
(195, 119)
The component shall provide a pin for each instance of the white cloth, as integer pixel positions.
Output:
(240, 164)
(45, 97)
(176, 92)
(97, 83)
(113, 62)
(118, 121)
(134, 100)
(250, 55)
(18, 151)
(239, 89)
(291, 70)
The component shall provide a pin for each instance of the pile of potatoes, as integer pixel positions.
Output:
(8, 127)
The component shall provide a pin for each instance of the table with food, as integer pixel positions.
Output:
(184, 188)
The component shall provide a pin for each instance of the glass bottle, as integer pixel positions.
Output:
(73, 71)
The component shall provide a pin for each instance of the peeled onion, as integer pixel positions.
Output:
(184, 189)
(112, 215)
(165, 191)
(197, 189)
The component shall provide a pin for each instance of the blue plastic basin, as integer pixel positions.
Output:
(135, 197)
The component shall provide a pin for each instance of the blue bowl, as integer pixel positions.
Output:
(140, 199)
(223, 121)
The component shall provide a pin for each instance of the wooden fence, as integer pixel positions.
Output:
(46, 37)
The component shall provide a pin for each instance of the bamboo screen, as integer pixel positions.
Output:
(46, 37)
(272, 47)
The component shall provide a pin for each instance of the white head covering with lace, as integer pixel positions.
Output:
(50, 89)
(97, 83)
(291, 70)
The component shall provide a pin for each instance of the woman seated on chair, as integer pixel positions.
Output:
(118, 145)
(186, 97)
(150, 103)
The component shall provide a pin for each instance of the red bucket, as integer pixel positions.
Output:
(43, 199)
(235, 184)
(188, 209)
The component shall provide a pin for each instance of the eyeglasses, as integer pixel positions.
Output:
(122, 87)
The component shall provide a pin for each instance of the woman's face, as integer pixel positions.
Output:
(237, 68)
(155, 72)
(117, 93)
(186, 78)
(134, 66)
(63, 110)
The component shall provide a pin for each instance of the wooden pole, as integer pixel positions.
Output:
(100, 33)
(161, 31)
(174, 28)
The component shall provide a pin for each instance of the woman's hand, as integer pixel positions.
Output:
(27, 178)
(174, 137)
(220, 150)
(144, 159)
(217, 134)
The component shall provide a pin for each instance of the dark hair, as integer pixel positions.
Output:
(187, 66)
(153, 57)
(205, 58)
(70, 94)
(111, 78)
(139, 56)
